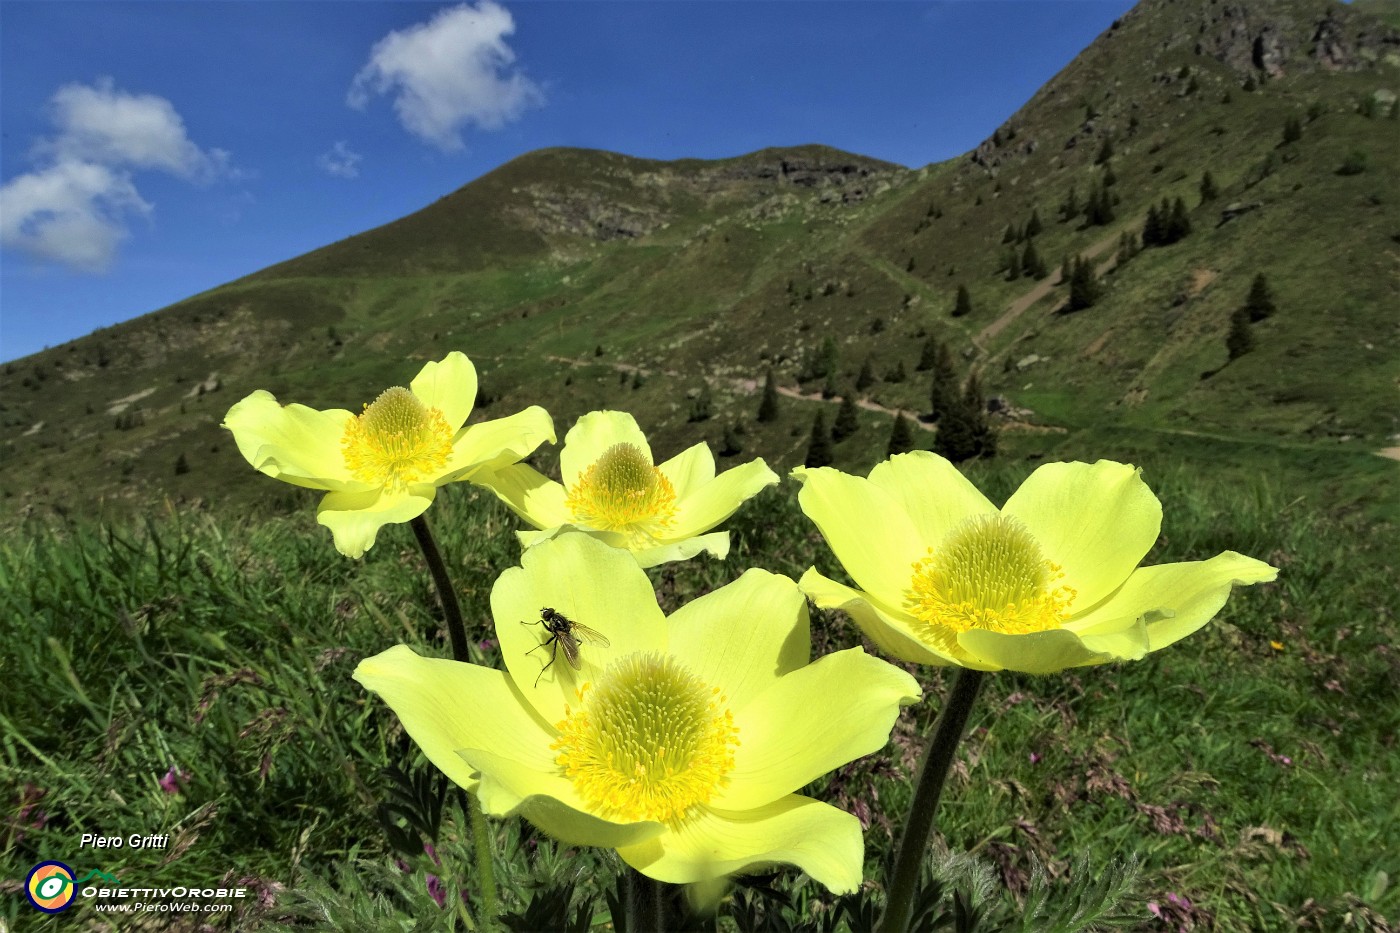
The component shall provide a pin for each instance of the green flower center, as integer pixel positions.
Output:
(622, 491)
(987, 573)
(396, 440)
(648, 741)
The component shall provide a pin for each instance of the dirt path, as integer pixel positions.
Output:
(1043, 288)
(1391, 452)
(616, 367)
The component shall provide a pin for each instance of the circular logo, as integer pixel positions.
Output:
(50, 887)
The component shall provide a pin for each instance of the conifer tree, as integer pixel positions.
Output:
(1031, 263)
(1292, 131)
(1010, 235)
(1069, 208)
(730, 444)
(956, 439)
(1109, 177)
(1084, 287)
(1033, 226)
(1066, 270)
(847, 422)
(1240, 339)
(1152, 228)
(866, 378)
(1179, 224)
(1098, 212)
(984, 438)
(1260, 302)
(1013, 264)
(1105, 151)
(963, 305)
(768, 406)
(829, 386)
(943, 388)
(965, 433)
(928, 355)
(828, 358)
(897, 373)
(901, 437)
(819, 452)
(1209, 192)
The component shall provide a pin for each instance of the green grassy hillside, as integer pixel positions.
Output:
(577, 279)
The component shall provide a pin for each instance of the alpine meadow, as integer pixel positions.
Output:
(1178, 262)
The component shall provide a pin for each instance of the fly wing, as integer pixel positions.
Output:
(570, 646)
(590, 636)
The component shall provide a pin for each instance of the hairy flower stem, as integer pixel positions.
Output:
(646, 904)
(446, 595)
(933, 771)
(485, 871)
(457, 631)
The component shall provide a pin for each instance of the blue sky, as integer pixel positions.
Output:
(150, 151)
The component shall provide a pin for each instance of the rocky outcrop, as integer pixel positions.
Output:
(1274, 38)
(584, 213)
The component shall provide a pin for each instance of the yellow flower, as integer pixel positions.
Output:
(612, 491)
(385, 464)
(1049, 581)
(680, 742)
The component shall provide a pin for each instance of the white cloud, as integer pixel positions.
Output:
(70, 212)
(450, 72)
(340, 161)
(72, 207)
(104, 125)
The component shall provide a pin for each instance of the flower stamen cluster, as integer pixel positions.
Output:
(988, 573)
(622, 491)
(396, 440)
(649, 741)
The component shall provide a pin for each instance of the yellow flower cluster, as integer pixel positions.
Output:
(682, 741)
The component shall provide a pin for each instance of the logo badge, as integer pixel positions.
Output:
(50, 887)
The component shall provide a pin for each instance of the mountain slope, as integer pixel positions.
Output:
(578, 279)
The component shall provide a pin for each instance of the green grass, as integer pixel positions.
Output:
(223, 648)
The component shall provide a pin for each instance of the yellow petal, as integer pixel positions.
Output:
(716, 545)
(449, 386)
(891, 631)
(293, 443)
(866, 528)
(547, 799)
(588, 582)
(1034, 653)
(1096, 522)
(811, 721)
(495, 445)
(1176, 599)
(690, 469)
(742, 637)
(711, 503)
(355, 518)
(591, 437)
(818, 838)
(529, 493)
(446, 706)
(931, 491)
